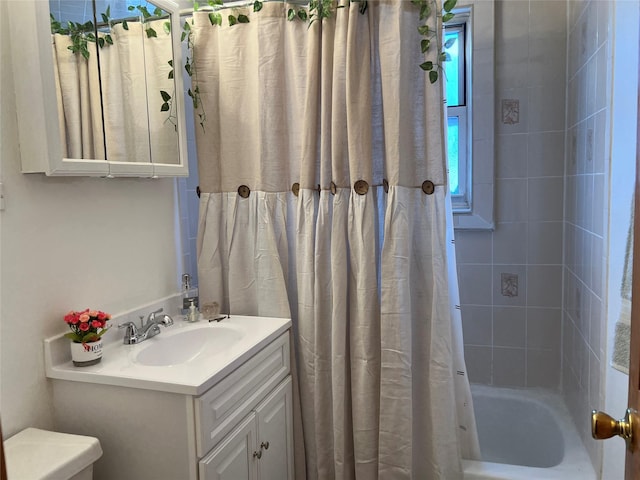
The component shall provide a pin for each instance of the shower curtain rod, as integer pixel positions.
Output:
(239, 4)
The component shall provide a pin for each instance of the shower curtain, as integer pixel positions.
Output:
(123, 93)
(322, 171)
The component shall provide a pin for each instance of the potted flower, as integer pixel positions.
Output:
(87, 327)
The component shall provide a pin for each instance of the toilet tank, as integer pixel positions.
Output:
(35, 454)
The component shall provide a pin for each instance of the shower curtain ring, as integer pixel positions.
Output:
(428, 187)
(361, 187)
(244, 191)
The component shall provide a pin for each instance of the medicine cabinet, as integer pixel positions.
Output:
(96, 93)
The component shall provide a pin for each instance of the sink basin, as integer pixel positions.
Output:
(185, 346)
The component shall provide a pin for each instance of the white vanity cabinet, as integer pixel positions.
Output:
(260, 447)
(238, 428)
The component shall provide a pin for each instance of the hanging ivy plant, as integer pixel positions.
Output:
(319, 10)
(147, 15)
(429, 33)
(82, 33)
(167, 101)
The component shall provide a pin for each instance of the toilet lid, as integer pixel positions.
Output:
(35, 454)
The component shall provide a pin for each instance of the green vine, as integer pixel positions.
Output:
(147, 15)
(429, 33)
(167, 101)
(83, 33)
(321, 9)
(192, 71)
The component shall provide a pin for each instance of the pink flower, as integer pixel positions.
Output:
(86, 323)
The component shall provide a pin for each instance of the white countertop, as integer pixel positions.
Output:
(118, 367)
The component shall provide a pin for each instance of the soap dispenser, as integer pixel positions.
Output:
(189, 294)
(193, 312)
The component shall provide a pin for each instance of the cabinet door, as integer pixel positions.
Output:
(233, 459)
(275, 434)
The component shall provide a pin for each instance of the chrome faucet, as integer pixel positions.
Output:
(147, 330)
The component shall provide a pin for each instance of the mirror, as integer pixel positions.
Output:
(111, 104)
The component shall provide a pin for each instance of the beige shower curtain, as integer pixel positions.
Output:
(125, 93)
(78, 94)
(322, 168)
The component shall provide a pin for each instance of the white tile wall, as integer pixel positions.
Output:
(477, 325)
(189, 201)
(510, 243)
(585, 200)
(522, 347)
(509, 325)
(511, 156)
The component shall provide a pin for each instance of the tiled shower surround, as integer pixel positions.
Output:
(532, 289)
(585, 212)
(511, 278)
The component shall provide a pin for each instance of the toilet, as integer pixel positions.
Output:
(35, 454)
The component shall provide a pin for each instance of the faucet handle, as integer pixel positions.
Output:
(131, 334)
(152, 315)
(129, 326)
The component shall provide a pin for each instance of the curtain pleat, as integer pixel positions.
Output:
(306, 332)
(363, 273)
(158, 51)
(322, 322)
(79, 97)
(343, 443)
(131, 99)
(58, 86)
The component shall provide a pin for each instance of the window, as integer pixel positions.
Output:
(456, 74)
(469, 77)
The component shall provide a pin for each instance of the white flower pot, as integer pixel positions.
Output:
(85, 354)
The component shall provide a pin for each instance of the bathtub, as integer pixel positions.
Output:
(526, 434)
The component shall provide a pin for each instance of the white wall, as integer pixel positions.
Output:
(68, 243)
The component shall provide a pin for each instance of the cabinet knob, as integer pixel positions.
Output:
(257, 455)
(264, 445)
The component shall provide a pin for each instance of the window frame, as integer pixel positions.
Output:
(462, 201)
(476, 210)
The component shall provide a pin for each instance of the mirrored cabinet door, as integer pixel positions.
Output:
(95, 84)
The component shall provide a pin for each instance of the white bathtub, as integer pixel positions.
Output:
(526, 434)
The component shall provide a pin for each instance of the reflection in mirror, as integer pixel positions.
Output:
(114, 80)
(75, 63)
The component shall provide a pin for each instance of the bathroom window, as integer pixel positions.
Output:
(469, 80)
(456, 71)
